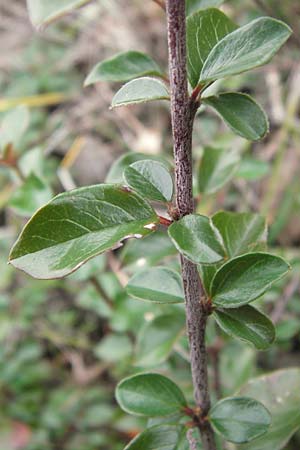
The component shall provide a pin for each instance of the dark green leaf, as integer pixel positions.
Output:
(151, 179)
(123, 67)
(157, 284)
(204, 30)
(150, 395)
(30, 196)
(247, 324)
(280, 393)
(140, 90)
(158, 337)
(77, 225)
(160, 437)
(241, 113)
(194, 5)
(241, 232)
(244, 49)
(245, 278)
(216, 169)
(240, 419)
(42, 12)
(195, 237)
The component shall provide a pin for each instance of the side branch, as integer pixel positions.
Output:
(183, 110)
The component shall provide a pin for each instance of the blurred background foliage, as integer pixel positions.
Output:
(65, 344)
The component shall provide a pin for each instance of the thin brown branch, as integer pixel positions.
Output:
(183, 112)
(160, 3)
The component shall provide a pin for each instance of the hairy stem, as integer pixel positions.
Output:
(183, 110)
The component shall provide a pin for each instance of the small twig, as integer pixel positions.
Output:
(281, 305)
(160, 3)
(97, 285)
(164, 221)
(115, 266)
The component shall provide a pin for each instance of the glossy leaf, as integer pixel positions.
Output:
(151, 179)
(241, 232)
(42, 12)
(140, 90)
(240, 419)
(216, 169)
(158, 337)
(245, 278)
(77, 225)
(159, 437)
(115, 174)
(247, 324)
(280, 393)
(123, 67)
(150, 395)
(30, 196)
(194, 5)
(204, 30)
(244, 49)
(195, 237)
(157, 284)
(241, 113)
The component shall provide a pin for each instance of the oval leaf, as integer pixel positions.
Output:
(247, 324)
(241, 232)
(195, 237)
(245, 48)
(160, 437)
(140, 91)
(241, 113)
(157, 284)
(280, 393)
(42, 12)
(216, 169)
(123, 67)
(194, 5)
(245, 278)
(157, 338)
(204, 30)
(240, 419)
(150, 395)
(77, 225)
(151, 179)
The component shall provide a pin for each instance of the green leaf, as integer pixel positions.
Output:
(247, 324)
(158, 337)
(43, 12)
(240, 419)
(150, 395)
(195, 237)
(245, 278)
(160, 437)
(241, 232)
(123, 67)
(204, 30)
(252, 169)
(13, 126)
(113, 348)
(246, 48)
(30, 196)
(194, 5)
(216, 169)
(151, 179)
(140, 90)
(115, 174)
(77, 225)
(157, 284)
(280, 393)
(241, 113)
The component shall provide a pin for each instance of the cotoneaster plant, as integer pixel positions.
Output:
(224, 263)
